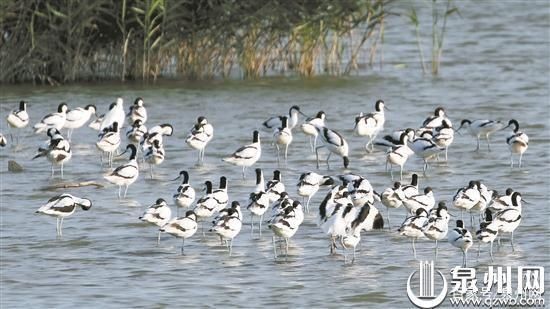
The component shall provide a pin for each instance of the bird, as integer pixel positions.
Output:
(467, 197)
(509, 219)
(370, 124)
(394, 139)
(137, 111)
(199, 136)
(486, 196)
(443, 136)
(398, 155)
(63, 205)
(282, 136)
(96, 124)
(109, 141)
(480, 127)
(57, 150)
(18, 118)
(77, 117)
(361, 192)
(437, 226)
(208, 204)
(285, 225)
(392, 198)
(425, 201)
(335, 143)
(275, 122)
(125, 174)
(309, 183)
(499, 203)
(185, 194)
(228, 226)
(182, 227)
(488, 231)
(115, 114)
(3, 141)
(413, 226)
(412, 188)
(136, 132)
(366, 219)
(425, 148)
(337, 221)
(220, 195)
(53, 120)
(158, 214)
(309, 127)
(258, 201)
(275, 187)
(436, 120)
(246, 155)
(518, 142)
(156, 133)
(154, 155)
(461, 238)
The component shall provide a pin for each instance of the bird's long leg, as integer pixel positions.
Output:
(61, 227)
(478, 249)
(278, 158)
(260, 229)
(353, 260)
(491, 251)
(182, 245)
(520, 156)
(436, 249)
(57, 226)
(286, 248)
(446, 150)
(52, 170)
(391, 169)
(243, 171)
(317, 155)
(414, 248)
(158, 239)
(274, 247)
(488, 142)
(328, 158)
(151, 170)
(465, 258)
(315, 141)
(119, 189)
(61, 170)
(230, 246)
(311, 144)
(307, 203)
(126, 191)
(477, 148)
(252, 226)
(286, 151)
(388, 213)
(512, 240)
(511, 160)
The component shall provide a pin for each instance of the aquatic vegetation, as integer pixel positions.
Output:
(64, 40)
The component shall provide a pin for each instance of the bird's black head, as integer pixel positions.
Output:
(459, 224)
(346, 162)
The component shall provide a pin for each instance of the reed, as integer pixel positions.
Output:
(60, 41)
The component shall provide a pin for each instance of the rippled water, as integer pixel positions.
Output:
(495, 66)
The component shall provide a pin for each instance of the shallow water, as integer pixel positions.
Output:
(495, 66)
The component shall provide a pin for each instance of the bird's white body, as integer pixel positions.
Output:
(115, 114)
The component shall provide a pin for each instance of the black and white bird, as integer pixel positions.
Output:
(57, 150)
(109, 141)
(461, 238)
(156, 133)
(154, 155)
(276, 121)
(392, 198)
(366, 219)
(398, 155)
(443, 136)
(258, 201)
(126, 174)
(115, 114)
(518, 142)
(182, 227)
(425, 201)
(488, 231)
(309, 183)
(3, 141)
(437, 226)
(158, 214)
(285, 224)
(282, 136)
(425, 148)
(412, 188)
(53, 120)
(509, 219)
(309, 127)
(185, 194)
(481, 127)
(436, 120)
(96, 124)
(18, 118)
(137, 111)
(62, 206)
(371, 124)
(136, 132)
(246, 155)
(275, 187)
(467, 197)
(500, 203)
(413, 226)
(228, 226)
(199, 136)
(212, 201)
(78, 117)
(361, 192)
(335, 143)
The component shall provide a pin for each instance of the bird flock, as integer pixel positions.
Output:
(349, 207)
